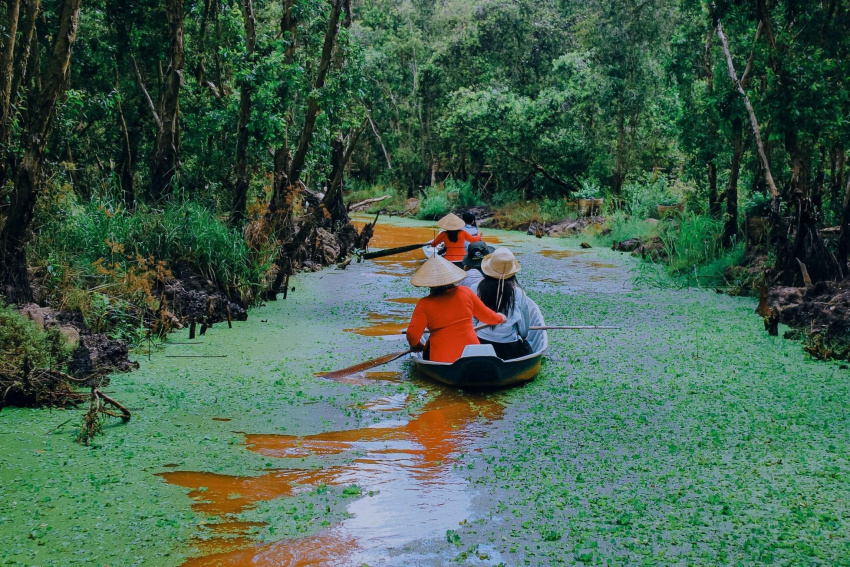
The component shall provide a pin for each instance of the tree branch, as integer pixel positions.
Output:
(774, 192)
(746, 76)
(380, 141)
(145, 92)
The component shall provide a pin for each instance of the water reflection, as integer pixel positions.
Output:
(408, 468)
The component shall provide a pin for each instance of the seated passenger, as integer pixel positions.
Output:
(500, 292)
(454, 238)
(472, 263)
(471, 226)
(446, 312)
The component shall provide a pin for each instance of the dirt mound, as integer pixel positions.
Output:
(566, 227)
(823, 310)
(98, 355)
(191, 296)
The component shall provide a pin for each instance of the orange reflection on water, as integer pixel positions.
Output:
(602, 265)
(562, 254)
(383, 324)
(406, 467)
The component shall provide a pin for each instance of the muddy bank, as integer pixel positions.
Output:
(821, 312)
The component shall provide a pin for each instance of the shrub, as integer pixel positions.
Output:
(435, 206)
(23, 345)
(462, 193)
(590, 189)
(641, 198)
(693, 247)
(624, 227)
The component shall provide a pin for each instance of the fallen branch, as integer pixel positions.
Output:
(365, 203)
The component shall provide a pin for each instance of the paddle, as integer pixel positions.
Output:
(391, 251)
(556, 327)
(373, 362)
(364, 365)
(551, 327)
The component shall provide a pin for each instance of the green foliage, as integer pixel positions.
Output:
(95, 235)
(434, 206)
(694, 251)
(757, 205)
(24, 345)
(462, 194)
(590, 189)
(642, 196)
(624, 227)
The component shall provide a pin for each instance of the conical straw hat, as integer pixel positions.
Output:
(501, 264)
(451, 222)
(436, 272)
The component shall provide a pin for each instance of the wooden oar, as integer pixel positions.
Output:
(364, 365)
(373, 362)
(555, 327)
(550, 327)
(391, 251)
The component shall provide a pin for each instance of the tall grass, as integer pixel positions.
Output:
(180, 234)
(694, 251)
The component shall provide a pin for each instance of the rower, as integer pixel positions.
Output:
(471, 226)
(455, 238)
(446, 312)
(499, 291)
(472, 262)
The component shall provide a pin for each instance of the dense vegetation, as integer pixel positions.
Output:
(138, 136)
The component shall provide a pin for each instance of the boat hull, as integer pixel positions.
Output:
(479, 370)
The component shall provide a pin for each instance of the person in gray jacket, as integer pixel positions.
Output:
(472, 263)
(499, 290)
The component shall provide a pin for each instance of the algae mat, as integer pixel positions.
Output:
(687, 436)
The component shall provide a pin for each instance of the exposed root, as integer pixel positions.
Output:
(99, 409)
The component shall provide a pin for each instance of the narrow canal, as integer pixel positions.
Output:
(686, 436)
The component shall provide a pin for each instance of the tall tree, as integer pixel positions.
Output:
(242, 177)
(29, 180)
(165, 170)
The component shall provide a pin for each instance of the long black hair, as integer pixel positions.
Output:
(452, 234)
(488, 291)
(440, 290)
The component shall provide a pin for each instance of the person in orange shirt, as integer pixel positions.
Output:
(446, 312)
(455, 238)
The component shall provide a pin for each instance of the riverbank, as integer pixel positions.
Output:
(687, 435)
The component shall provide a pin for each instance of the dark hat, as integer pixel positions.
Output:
(475, 253)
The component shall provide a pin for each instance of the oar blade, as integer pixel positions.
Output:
(363, 365)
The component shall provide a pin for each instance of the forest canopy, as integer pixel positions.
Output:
(255, 108)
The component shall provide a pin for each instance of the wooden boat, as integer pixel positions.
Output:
(480, 368)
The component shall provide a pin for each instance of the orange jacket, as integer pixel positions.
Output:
(449, 318)
(455, 251)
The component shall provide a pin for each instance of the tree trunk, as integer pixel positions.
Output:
(713, 200)
(7, 62)
(165, 173)
(619, 168)
(771, 185)
(730, 226)
(838, 161)
(128, 189)
(844, 235)
(283, 155)
(28, 179)
(243, 180)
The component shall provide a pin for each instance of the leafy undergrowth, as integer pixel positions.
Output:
(690, 437)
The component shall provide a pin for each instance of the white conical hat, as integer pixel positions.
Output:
(451, 222)
(501, 264)
(436, 272)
